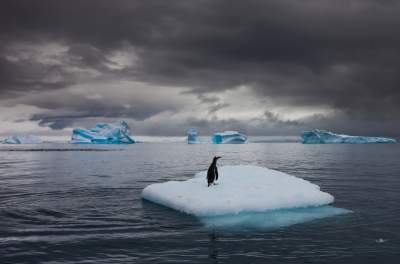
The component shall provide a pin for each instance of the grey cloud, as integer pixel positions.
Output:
(207, 99)
(217, 107)
(339, 55)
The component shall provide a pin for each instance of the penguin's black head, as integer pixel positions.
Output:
(216, 158)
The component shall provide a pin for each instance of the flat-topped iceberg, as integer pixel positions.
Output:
(22, 139)
(102, 133)
(229, 137)
(192, 136)
(241, 189)
(317, 136)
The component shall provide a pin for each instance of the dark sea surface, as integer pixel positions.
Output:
(62, 203)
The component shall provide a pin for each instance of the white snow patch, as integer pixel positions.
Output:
(240, 188)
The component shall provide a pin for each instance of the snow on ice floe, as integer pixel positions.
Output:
(317, 136)
(229, 137)
(102, 133)
(193, 136)
(240, 190)
(22, 139)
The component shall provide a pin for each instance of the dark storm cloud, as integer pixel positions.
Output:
(59, 119)
(217, 107)
(25, 76)
(63, 113)
(207, 99)
(335, 54)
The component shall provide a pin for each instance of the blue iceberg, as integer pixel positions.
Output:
(229, 137)
(102, 133)
(193, 136)
(317, 136)
(23, 139)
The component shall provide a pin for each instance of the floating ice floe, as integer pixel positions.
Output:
(241, 189)
(317, 136)
(192, 136)
(23, 139)
(380, 240)
(102, 133)
(229, 137)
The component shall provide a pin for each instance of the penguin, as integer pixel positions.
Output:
(212, 173)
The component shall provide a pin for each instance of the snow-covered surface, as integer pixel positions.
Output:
(22, 139)
(229, 137)
(102, 133)
(317, 136)
(240, 189)
(192, 136)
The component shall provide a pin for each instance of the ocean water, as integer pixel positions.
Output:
(62, 203)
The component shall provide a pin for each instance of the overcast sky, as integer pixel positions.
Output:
(267, 67)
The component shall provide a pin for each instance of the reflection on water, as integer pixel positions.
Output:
(213, 250)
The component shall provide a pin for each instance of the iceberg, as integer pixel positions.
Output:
(229, 137)
(102, 133)
(23, 139)
(317, 136)
(192, 136)
(240, 190)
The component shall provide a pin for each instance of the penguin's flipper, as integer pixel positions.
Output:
(216, 173)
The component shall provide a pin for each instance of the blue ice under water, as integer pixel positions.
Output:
(102, 133)
(317, 136)
(271, 219)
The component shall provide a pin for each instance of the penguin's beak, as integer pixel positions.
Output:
(217, 157)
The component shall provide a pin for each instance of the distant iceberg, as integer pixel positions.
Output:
(229, 137)
(192, 136)
(240, 189)
(317, 136)
(102, 133)
(23, 139)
